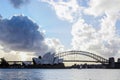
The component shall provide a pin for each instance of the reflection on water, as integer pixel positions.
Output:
(59, 74)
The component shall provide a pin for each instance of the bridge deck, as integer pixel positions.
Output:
(79, 61)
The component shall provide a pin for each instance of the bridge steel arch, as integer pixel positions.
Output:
(88, 54)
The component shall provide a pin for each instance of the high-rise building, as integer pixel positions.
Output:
(111, 62)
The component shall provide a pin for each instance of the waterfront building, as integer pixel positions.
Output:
(111, 62)
(117, 64)
(48, 58)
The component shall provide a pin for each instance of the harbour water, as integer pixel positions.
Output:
(59, 74)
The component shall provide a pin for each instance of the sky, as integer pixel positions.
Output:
(34, 27)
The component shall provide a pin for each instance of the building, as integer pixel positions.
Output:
(111, 62)
(48, 58)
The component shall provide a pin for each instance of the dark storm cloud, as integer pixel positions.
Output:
(19, 3)
(21, 33)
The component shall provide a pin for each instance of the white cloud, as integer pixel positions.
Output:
(104, 41)
(66, 10)
(84, 35)
(16, 55)
(108, 26)
(54, 45)
(100, 7)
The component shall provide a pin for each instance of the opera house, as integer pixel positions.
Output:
(48, 58)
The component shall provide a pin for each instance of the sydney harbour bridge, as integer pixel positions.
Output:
(95, 58)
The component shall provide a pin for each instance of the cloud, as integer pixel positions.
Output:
(0, 17)
(20, 33)
(54, 45)
(16, 55)
(103, 41)
(19, 3)
(65, 9)
(101, 7)
(22, 39)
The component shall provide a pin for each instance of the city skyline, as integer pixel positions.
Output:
(59, 25)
